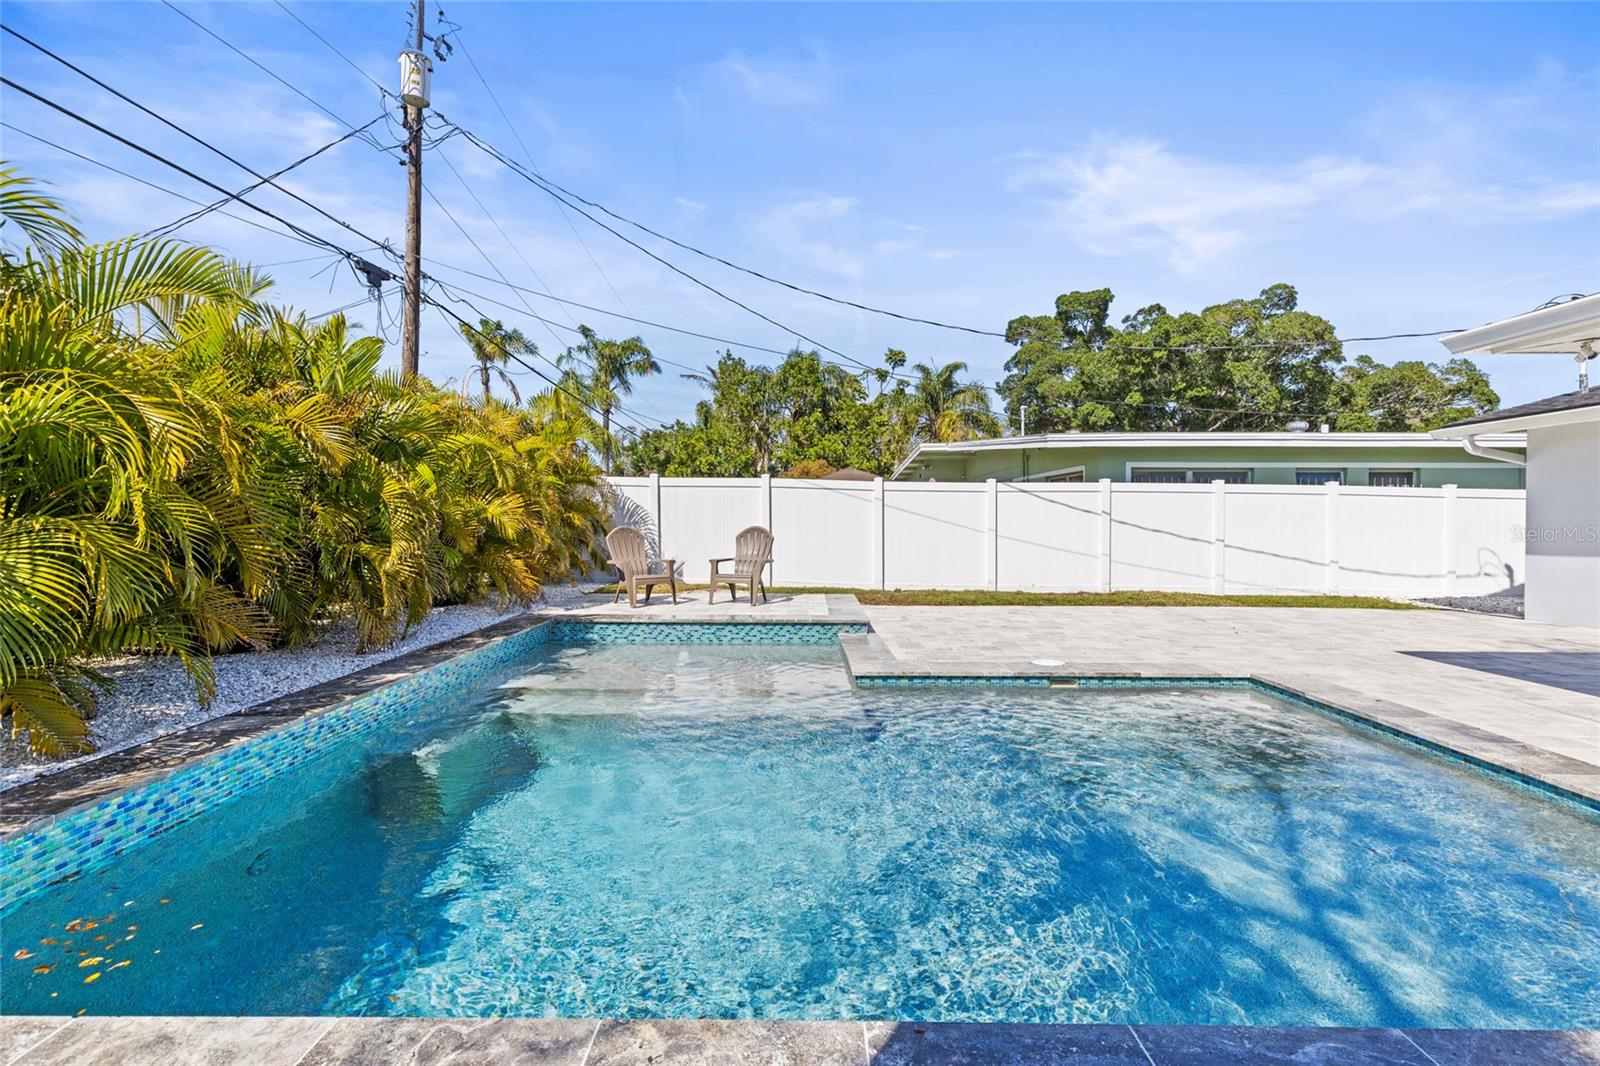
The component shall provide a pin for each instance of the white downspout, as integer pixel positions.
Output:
(1470, 443)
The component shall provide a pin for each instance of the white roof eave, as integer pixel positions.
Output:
(1561, 329)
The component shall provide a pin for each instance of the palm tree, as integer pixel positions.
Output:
(945, 409)
(612, 366)
(494, 345)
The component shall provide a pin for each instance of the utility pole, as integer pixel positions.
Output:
(415, 71)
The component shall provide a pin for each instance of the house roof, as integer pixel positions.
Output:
(1280, 439)
(1564, 327)
(850, 473)
(1581, 406)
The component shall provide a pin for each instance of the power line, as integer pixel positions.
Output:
(353, 65)
(173, 125)
(499, 228)
(170, 192)
(249, 59)
(372, 273)
(539, 183)
(512, 355)
(450, 288)
(179, 223)
(735, 266)
(460, 43)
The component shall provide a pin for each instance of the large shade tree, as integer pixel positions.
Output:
(1249, 364)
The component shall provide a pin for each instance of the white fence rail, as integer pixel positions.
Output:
(1097, 536)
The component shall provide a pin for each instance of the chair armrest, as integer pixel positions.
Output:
(725, 559)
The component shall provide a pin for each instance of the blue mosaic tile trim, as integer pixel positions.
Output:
(702, 632)
(1430, 747)
(926, 681)
(87, 839)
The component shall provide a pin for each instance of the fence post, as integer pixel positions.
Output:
(1219, 534)
(1330, 538)
(1105, 534)
(877, 533)
(991, 528)
(655, 514)
(1447, 539)
(766, 520)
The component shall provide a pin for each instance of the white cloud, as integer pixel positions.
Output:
(810, 228)
(1471, 158)
(940, 255)
(773, 81)
(1136, 195)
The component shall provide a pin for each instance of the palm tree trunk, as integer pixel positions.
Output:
(483, 376)
(605, 425)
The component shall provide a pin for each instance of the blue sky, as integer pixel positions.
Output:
(1411, 167)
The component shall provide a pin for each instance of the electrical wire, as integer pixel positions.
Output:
(179, 223)
(191, 136)
(526, 176)
(170, 192)
(375, 83)
(369, 272)
(460, 43)
(251, 60)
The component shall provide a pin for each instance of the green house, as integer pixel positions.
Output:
(1399, 460)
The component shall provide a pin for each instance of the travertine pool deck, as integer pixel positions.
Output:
(582, 1042)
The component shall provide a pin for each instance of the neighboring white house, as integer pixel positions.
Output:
(1563, 458)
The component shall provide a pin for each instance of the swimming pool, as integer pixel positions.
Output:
(649, 830)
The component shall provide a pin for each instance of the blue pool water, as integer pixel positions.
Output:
(632, 831)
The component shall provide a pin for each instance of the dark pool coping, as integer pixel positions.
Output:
(51, 1041)
(868, 658)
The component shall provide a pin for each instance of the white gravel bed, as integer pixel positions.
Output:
(152, 695)
(1502, 603)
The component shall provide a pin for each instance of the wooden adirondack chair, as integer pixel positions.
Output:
(752, 554)
(630, 554)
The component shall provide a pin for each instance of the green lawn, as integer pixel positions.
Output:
(987, 598)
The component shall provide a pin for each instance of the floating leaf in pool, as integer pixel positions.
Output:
(90, 962)
(49, 940)
(196, 925)
(128, 904)
(132, 928)
(43, 969)
(23, 953)
(92, 978)
(119, 965)
(165, 901)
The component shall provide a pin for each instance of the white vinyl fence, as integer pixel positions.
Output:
(1096, 536)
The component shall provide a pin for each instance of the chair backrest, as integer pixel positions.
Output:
(752, 550)
(628, 550)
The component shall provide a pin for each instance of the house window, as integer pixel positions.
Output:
(1393, 479)
(1074, 476)
(1191, 477)
(1319, 477)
